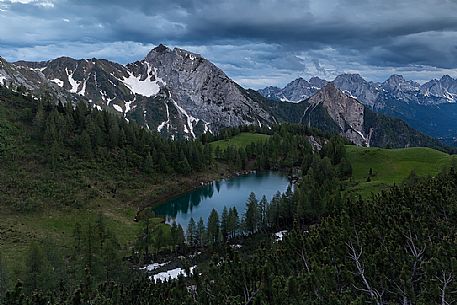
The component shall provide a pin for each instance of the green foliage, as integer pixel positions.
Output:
(392, 166)
(399, 246)
(241, 140)
(213, 228)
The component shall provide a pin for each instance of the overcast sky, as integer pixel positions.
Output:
(256, 42)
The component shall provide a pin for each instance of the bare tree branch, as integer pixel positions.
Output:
(356, 255)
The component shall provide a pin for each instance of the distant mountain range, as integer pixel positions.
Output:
(332, 110)
(430, 108)
(182, 95)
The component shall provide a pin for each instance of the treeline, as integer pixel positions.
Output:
(98, 135)
(67, 131)
(287, 148)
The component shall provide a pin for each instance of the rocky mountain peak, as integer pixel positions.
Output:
(345, 111)
(447, 78)
(161, 48)
(329, 94)
(317, 82)
(399, 83)
(355, 85)
(350, 77)
(295, 91)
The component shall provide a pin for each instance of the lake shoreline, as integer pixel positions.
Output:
(200, 180)
(229, 191)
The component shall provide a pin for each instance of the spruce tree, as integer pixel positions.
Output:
(225, 223)
(251, 215)
(213, 227)
(201, 232)
(191, 233)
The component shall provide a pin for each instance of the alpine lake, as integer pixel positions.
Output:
(231, 192)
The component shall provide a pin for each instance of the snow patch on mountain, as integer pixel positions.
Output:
(128, 106)
(118, 108)
(75, 84)
(58, 82)
(165, 123)
(146, 87)
(188, 127)
(171, 274)
(83, 89)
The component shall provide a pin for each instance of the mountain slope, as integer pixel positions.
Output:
(176, 92)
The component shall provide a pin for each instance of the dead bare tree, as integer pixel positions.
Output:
(250, 295)
(445, 280)
(417, 253)
(355, 255)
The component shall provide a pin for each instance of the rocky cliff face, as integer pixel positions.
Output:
(444, 88)
(204, 91)
(345, 111)
(175, 92)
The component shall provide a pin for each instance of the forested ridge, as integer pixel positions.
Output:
(398, 247)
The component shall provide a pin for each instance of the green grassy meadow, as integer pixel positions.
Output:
(241, 140)
(392, 166)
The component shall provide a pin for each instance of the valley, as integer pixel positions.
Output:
(89, 203)
(228, 152)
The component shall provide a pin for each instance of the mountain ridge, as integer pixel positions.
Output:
(174, 91)
(180, 94)
(430, 107)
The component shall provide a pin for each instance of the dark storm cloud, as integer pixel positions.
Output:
(255, 41)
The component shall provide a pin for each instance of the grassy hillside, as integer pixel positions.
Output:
(241, 140)
(391, 166)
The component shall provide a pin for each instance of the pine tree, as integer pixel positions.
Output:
(39, 119)
(145, 239)
(183, 165)
(251, 216)
(85, 145)
(191, 233)
(180, 237)
(225, 223)
(213, 227)
(233, 222)
(201, 233)
(262, 218)
(148, 165)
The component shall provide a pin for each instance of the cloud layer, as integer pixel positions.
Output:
(257, 42)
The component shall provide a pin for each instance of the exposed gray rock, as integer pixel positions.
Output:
(372, 94)
(345, 111)
(445, 88)
(296, 91)
(356, 86)
(176, 92)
